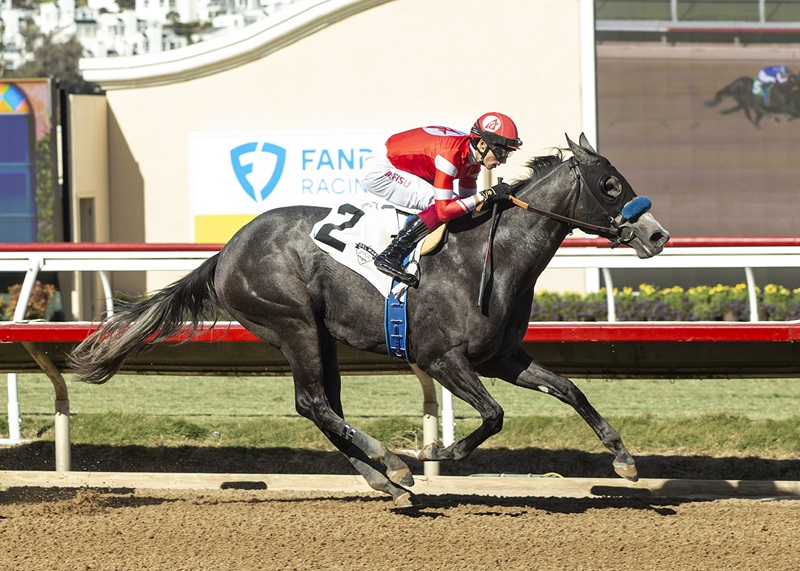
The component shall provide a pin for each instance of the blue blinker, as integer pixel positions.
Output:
(636, 208)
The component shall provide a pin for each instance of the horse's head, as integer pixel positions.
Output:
(607, 199)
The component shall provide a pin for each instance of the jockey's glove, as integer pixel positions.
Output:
(500, 191)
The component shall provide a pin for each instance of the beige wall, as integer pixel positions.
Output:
(398, 65)
(89, 172)
(89, 150)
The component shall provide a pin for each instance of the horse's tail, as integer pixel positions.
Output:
(137, 325)
(738, 87)
(719, 96)
(714, 102)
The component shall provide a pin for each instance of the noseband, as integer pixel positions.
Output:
(613, 232)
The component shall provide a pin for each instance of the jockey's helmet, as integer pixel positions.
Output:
(499, 132)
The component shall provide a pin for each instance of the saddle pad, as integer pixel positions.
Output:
(354, 234)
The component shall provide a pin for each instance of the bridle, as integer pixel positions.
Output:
(614, 233)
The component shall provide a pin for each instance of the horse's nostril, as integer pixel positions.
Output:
(659, 238)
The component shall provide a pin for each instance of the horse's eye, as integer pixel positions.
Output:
(610, 186)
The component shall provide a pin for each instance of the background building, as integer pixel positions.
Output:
(107, 28)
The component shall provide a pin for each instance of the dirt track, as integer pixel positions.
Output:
(242, 530)
(126, 529)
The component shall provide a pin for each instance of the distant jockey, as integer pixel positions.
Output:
(767, 78)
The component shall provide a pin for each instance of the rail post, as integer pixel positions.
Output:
(430, 416)
(14, 411)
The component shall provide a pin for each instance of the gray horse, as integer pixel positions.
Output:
(278, 284)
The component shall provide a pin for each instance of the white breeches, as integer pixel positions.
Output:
(380, 177)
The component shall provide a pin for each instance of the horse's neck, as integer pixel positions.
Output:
(536, 238)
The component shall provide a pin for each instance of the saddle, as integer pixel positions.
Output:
(430, 242)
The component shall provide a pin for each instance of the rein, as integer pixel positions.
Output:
(605, 231)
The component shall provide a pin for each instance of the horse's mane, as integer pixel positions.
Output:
(541, 166)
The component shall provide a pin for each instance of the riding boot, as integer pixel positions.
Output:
(390, 261)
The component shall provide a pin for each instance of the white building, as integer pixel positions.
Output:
(104, 29)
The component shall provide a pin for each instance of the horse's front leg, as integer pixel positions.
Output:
(456, 374)
(521, 370)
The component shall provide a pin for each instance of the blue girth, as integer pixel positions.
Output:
(395, 325)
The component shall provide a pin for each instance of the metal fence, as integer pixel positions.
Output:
(683, 11)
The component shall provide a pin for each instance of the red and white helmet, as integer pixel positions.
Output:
(497, 129)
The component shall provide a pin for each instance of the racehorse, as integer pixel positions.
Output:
(784, 99)
(278, 284)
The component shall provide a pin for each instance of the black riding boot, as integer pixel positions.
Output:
(390, 261)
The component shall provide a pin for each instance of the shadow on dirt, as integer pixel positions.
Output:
(83, 500)
(567, 463)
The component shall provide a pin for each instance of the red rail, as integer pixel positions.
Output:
(662, 331)
(567, 332)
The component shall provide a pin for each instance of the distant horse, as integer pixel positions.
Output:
(279, 285)
(784, 99)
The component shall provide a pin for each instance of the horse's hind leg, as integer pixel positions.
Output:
(731, 110)
(311, 353)
(521, 370)
(370, 470)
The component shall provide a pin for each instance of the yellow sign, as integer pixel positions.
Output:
(218, 228)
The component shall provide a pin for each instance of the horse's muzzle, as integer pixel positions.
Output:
(646, 236)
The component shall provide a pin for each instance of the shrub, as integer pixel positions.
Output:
(42, 295)
(649, 303)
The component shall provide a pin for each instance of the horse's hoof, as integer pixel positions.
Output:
(406, 500)
(431, 451)
(627, 471)
(401, 477)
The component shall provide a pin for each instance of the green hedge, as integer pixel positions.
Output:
(649, 303)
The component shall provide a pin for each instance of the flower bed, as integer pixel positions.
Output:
(40, 305)
(649, 303)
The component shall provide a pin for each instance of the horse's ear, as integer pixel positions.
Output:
(583, 152)
(584, 142)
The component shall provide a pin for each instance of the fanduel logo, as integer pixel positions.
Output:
(258, 169)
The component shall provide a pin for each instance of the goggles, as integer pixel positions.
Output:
(500, 151)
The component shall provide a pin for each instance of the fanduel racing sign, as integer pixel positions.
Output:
(233, 177)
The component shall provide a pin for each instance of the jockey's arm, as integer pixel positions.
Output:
(447, 203)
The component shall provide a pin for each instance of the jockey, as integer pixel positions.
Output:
(417, 170)
(769, 77)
